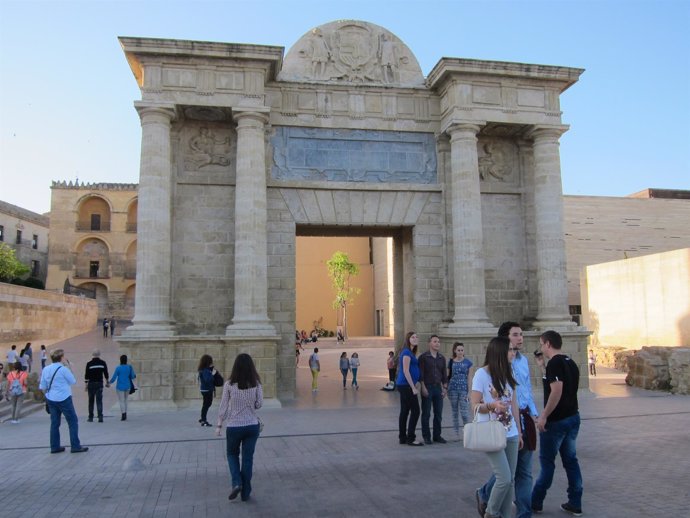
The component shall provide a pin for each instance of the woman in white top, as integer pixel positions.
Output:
(494, 397)
(354, 365)
(242, 396)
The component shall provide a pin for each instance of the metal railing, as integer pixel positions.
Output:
(86, 226)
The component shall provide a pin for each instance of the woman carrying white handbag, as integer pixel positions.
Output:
(494, 398)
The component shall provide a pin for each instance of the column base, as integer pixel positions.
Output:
(252, 330)
(555, 323)
(467, 327)
(149, 330)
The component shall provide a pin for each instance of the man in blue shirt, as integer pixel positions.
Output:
(528, 412)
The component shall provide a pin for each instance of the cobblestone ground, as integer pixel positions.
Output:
(338, 457)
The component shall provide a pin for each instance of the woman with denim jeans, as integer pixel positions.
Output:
(494, 397)
(206, 386)
(242, 396)
(459, 370)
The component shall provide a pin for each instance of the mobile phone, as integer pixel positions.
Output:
(538, 353)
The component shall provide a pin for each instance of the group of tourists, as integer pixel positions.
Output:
(500, 389)
(109, 326)
(13, 380)
(349, 364)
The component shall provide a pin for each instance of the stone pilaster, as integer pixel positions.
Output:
(251, 259)
(152, 315)
(552, 286)
(468, 247)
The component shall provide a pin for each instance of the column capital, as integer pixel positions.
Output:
(544, 132)
(253, 114)
(463, 130)
(145, 108)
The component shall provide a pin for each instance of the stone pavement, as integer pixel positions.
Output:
(334, 454)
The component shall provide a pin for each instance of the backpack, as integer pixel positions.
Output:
(16, 387)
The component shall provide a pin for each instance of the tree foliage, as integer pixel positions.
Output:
(341, 270)
(10, 266)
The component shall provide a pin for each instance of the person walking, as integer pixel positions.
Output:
(390, 365)
(95, 373)
(206, 386)
(124, 375)
(433, 379)
(105, 327)
(315, 367)
(12, 356)
(592, 362)
(354, 366)
(344, 368)
(16, 390)
(406, 383)
(111, 324)
(459, 374)
(242, 396)
(29, 353)
(44, 357)
(558, 424)
(494, 396)
(56, 383)
(23, 361)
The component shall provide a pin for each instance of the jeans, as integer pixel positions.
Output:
(344, 373)
(435, 399)
(57, 408)
(354, 377)
(523, 485)
(122, 396)
(460, 407)
(95, 389)
(409, 407)
(16, 402)
(246, 437)
(503, 464)
(391, 375)
(559, 437)
(208, 401)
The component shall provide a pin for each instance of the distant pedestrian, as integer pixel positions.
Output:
(105, 327)
(56, 383)
(459, 374)
(24, 361)
(390, 365)
(592, 362)
(206, 386)
(315, 367)
(12, 356)
(111, 324)
(433, 379)
(28, 352)
(242, 396)
(124, 375)
(558, 424)
(406, 383)
(16, 390)
(95, 374)
(344, 368)
(354, 366)
(44, 357)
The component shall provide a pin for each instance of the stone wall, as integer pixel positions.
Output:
(660, 368)
(29, 315)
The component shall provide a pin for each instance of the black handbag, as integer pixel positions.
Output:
(132, 388)
(218, 380)
(50, 385)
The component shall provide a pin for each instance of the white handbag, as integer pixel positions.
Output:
(486, 436)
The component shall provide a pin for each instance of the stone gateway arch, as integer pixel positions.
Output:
(243, 150)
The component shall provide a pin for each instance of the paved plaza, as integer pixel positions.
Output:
(335, 453)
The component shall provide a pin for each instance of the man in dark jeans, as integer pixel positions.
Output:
(558, 424)
(434, 382)
(96, 373)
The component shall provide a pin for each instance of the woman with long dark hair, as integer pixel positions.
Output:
(124, 375)
(242, 396)
(494, 397)
(406, 383)
(206, 386)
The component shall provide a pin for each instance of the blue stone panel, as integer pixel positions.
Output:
(353, 156)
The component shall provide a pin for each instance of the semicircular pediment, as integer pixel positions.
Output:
(351, 51)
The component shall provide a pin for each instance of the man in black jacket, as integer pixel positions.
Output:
(95, 374)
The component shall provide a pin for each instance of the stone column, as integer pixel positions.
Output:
(251, 259)
(552, 287)
(468, 245)
(152, 316)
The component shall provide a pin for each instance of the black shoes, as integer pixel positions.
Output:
(427, 441)
(570, 509)
(235, 491)
(89, 420)
(59, 450)
(440, 440)
(206, 423)
(100, 419)
(481, 506)
(124, 417)
(80, 450)
(415, 443)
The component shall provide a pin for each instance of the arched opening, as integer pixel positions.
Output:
(132, 215)
(94, 215)
(131, 261)
(130, 294)
(101, 297)
(92, 260)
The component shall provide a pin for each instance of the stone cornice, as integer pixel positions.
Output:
(447, 68)
(136, 48)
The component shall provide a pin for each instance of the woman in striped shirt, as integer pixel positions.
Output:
(242, 396)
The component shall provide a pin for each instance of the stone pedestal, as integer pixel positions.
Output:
(152, 315)
(468, 248)
(251, 281)
(552, 289)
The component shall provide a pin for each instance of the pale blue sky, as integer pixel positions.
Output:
(66, 91)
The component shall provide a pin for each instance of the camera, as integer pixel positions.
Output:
(538, 353)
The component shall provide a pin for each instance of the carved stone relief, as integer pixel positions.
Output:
(498, 161)
(353, 52)
(205, 148)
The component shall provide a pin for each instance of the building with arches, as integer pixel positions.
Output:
(245, 149)
(93, 243)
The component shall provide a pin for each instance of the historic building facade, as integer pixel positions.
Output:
(27, 233)
(243, 151)
(93, 243)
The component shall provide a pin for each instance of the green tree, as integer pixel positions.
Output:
(341, 270)
(10, 266)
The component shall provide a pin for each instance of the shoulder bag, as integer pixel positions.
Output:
(486, 436)
(132, 387)
(50, 385)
